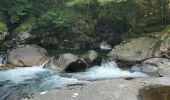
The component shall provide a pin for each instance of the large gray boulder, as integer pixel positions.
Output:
(27, 55)
(136, 50)
(66, 62)
(115, 89)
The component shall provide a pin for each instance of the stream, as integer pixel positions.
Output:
(20, 82)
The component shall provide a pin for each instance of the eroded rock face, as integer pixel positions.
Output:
(136, 50)
(27, 55)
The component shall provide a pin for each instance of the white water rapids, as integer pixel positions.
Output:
(36, 79)
(105, 46)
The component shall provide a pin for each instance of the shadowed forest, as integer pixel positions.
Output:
(79, 24)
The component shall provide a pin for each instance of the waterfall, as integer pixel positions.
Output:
(107, 70)
(105, 46)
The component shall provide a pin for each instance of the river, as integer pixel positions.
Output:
(19, 82)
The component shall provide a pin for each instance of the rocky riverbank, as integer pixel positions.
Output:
(148, 54)
(141, 57)
(115, 89)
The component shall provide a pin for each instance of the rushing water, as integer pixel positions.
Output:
(105, 46)
(1, 59)
(29, 80)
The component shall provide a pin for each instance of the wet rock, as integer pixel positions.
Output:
(162, 64)
(67, 62)
(27, 55)
(90, 56)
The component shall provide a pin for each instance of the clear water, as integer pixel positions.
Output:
(24, 81)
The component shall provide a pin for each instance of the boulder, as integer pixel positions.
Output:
(115, 89)
(89, 56)
(67, 62)
(162, 64)
(27, 55)
(136, 50)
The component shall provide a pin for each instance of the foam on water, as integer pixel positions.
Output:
(106, 71)
(20, 74)
(36, 79)
(105, 46)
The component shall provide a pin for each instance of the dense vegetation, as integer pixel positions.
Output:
(80, 23)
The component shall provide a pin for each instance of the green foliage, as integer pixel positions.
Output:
(84, 20)
(27, 24)
(3, 27)
(39, 7)
(83, 26)
(16, 12)
(14, 9)
(167, 29)
(54, 24)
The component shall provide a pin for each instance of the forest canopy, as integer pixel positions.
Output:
(84, 21)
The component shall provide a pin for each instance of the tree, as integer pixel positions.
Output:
(14, 12)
